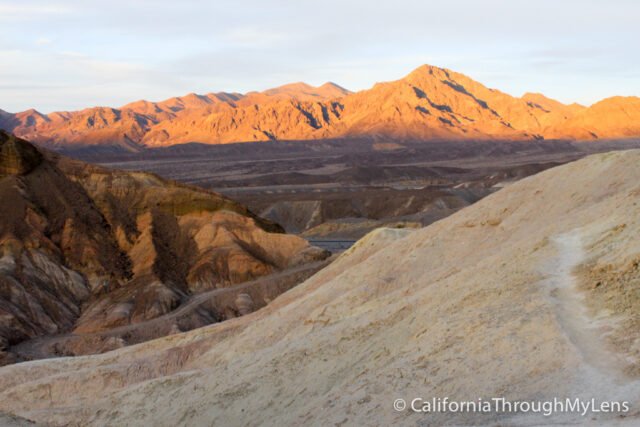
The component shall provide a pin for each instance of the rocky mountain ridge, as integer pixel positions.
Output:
(430, 103)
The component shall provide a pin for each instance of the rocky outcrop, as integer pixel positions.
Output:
(16, 156)
(244, 304)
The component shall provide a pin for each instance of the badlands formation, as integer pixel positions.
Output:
(529, 294)
(430, 103)
(86, 249)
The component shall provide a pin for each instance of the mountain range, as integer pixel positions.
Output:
(430, 103)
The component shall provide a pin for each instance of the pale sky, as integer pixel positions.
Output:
(67, 55)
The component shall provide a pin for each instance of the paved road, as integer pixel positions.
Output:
(332, 245)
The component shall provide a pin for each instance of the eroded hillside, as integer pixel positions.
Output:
(85, 248)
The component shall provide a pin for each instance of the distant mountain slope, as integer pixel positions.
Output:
(616, 117)
(551, 104)
(429, 103)
(87, 248)
(126, 127)
(303, 92)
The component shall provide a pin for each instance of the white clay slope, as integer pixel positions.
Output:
(493, 301)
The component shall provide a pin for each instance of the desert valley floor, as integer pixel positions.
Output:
(339, 190)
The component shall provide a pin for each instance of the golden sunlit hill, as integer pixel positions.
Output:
(430, 103)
